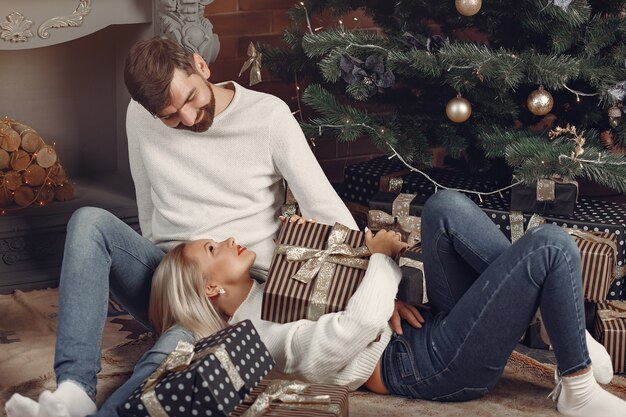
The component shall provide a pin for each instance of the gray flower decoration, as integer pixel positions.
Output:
(371, 72)
(618, 91)
(563, 4)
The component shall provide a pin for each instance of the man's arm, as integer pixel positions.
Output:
(294, 160)
(137, 169)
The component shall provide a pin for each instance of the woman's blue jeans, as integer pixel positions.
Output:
(103, 254)
(484, 292)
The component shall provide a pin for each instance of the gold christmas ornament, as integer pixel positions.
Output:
(468, 7)
(458, 109)
(615, 116)
(540, 102)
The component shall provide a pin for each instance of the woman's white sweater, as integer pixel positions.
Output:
(340, 348)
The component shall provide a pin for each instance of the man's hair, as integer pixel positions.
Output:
(149, 70)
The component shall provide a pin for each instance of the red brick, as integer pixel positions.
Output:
(228, 69)
(265, 4)
(220, 6)
(244, 41)
(229, 47)
(248, 23)
(280, 20)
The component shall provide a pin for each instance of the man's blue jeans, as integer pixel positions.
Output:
(104, 254)
(484, 292)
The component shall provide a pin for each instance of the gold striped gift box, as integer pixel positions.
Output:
(280, 398)
(598, 260)
(315, 270)
(610, 329)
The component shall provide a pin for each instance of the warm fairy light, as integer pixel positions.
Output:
(356, 18)
(577, 99)
(340, 22)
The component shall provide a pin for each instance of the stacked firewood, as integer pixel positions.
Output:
(30, 171)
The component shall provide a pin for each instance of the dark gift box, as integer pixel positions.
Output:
(589, 216)
(412, 287)
(214, 376)
(610, 328)
(315, 270)
(546, 196)
(399, 212)
(362, 181)
(616, 291)
(279, 398)
(598, 255)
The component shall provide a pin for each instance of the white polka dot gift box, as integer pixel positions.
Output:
(589, 216)
(363, 180)
(205, 380)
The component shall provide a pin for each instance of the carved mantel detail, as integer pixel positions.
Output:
(73, 20)
(184, 21)
(16, 28)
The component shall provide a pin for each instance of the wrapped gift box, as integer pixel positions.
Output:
(610, 328)
(362, 181)
(214, 376)
(279, 398)
(399, 212)
(589, 215)
(616, 291)
(315, 270)
(546, 196)
(412, 287)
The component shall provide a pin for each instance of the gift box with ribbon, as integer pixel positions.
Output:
(589, 216)
(546, 196)
(279, 398)
(210, 378)
(598, 255)
(610, 329)
(315, 270)
(412, 287)
(398, 212)
(363, 180)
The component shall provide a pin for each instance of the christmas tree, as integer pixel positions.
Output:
(491, 81)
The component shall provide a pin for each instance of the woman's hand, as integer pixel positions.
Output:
(295, 218)
(386, 242)
(408, 312)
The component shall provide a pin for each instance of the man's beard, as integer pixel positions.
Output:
(208, 114)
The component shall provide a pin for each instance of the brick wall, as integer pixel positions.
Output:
(237, 23)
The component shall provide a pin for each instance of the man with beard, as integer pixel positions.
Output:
(208, 160)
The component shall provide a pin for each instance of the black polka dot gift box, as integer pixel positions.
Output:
(589, 216)
(208, 379)
(362, 181)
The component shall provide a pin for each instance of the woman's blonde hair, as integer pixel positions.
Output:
(178, 297)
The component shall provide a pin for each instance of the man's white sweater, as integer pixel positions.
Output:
(340, 348)
(227, 181)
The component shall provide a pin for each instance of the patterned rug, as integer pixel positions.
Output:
(28, 331)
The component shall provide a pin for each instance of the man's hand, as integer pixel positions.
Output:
(295, 218)
(407, 312)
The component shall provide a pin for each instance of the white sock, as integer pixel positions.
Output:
(69, 400)
(581, 396)
(600, 359)
(20, 406)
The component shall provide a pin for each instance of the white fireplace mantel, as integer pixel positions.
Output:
(26, 24)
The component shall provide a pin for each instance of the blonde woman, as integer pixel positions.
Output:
(483, 293)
